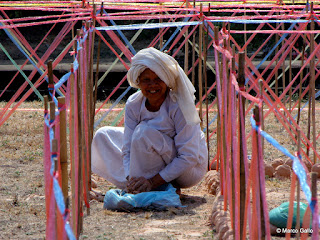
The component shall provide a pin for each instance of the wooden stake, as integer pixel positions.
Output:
(283, 75)
(309, 121)
(63, 147)
(97, 73)
(219, 128)
(301, 79)
(200, 65)
(216, 38)
(50, 79)
(206, 86)
(245, 34)
(52, 114)
(277, 60)
(223, 122)
(87, 119)
(54, 148)
(193, 74)
(290, 80)
(312, 87)
(298, 188)
(72, 152)
(233, 64)
(74, 46)
(261, 112)
(46, 101)
(314, 178)
(256, 113)
(186, 46)
(160, 29)
(89, 85)
(80, 148)
(241, 82)
(91, 112)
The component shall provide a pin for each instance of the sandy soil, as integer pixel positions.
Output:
(22, 202)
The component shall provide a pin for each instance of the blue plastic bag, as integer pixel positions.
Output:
(163, 198)
(279, 216)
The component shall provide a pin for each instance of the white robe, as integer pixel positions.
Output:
(151, 143)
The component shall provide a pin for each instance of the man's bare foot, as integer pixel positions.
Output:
(96, 195)
(177, 187)
(178, 191)
(93, 182)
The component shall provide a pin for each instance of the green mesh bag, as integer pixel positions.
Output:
(279, 216)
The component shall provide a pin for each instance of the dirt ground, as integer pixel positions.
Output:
(22, 201)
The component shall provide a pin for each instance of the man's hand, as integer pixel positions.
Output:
(139, 184)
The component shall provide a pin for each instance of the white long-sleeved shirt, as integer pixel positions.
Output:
(189, 139)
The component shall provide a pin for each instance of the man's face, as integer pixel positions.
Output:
(152, 87)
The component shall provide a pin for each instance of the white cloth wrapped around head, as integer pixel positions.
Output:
(170, 72)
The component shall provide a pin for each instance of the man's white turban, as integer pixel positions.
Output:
(170, 72)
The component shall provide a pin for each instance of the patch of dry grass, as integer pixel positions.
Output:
(22, 208)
